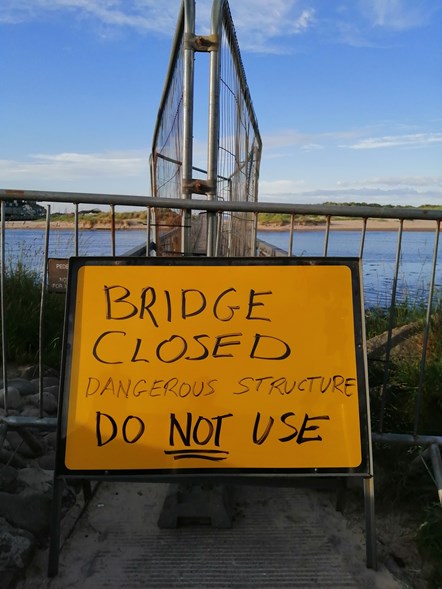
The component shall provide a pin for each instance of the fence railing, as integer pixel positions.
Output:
(404, 411)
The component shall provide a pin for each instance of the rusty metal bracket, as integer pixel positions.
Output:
(197, 186)
(201, 43)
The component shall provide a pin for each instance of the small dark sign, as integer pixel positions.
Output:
(58, 274)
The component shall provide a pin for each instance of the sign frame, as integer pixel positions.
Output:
(365, 469)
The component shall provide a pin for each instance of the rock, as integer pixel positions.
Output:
(53, 390)
(32, 372)
(49, 402)
(8, 479)
(30, 411)
(48, 381)
(28, 510)
(23, 386)
(16, 550)
(30, 447)
(29, 372)
(13, 398)
(47, 461)
(17, 444)
(12, 412)
(11, 458)
(402, 342)
(37, 479)
(51, 381)
(51, 440)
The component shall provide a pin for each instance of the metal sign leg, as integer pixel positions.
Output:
(54, 541)
(370, 524)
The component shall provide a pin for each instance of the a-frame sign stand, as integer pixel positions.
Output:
(204, 369)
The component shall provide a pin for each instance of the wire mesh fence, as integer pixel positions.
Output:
(239, 144)
(234, 143)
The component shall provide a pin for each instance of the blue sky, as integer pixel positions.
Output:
(348, 95)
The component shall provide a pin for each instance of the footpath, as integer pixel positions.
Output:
(280, 537)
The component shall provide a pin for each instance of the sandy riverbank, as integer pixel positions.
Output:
(336, 225)
(356, 225)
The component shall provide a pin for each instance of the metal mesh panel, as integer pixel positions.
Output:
(239, 147)
(167, 148)
(234, 144)
(169, 144)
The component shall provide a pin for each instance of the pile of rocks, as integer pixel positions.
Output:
(25, 473)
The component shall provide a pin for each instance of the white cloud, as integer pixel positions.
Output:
(286, 138)
(276, 187)
(264, 26)
(102, 172)
(291, 138)
(413, 140)
(396, 14)
(397, 190)
(399, 181)
(375, 23)
(401, 197)
(139, 14)
(259, 22)
(312, 147)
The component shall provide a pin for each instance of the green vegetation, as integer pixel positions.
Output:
(284, 219)
(429, 541)
(96, 217)
(391, 206)
(404, 369)
(403, 481)
(22, 315)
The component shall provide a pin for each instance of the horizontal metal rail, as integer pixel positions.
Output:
(362, 212)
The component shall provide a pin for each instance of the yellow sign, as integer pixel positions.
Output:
(222, 366)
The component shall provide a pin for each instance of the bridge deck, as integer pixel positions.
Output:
(280, 537)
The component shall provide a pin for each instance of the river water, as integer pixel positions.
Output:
(27, 245)
(378, 261)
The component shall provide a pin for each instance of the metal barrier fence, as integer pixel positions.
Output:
(403, 411)
(233, 142)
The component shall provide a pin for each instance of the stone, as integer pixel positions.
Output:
(28, 510)
(11, 458)
(37, 479)
(30, 411)
(25, 387)
(48, 381)
(49, 402)
(196, 504)
(29, 372)
(8, 479)
(403, 343)
(50, 440)
(14, 439)
(13, 398)
(12, 412)
(47, 461)
(53, 390)
(16, 549)
(29, 443)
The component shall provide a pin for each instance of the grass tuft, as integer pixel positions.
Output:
(22, 289)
